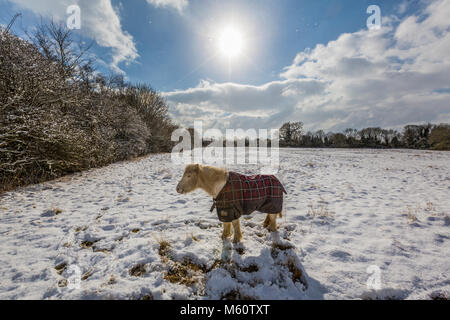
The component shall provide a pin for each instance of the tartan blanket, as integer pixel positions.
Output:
(243, 195)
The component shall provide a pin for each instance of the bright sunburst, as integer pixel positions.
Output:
(231, 42)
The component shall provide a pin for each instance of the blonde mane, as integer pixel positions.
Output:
(211, 179)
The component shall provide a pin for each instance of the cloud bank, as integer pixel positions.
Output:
(390, 77)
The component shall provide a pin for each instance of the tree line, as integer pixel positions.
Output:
(58, 115)
(426, 136)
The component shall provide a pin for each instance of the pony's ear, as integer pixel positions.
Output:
(197, 168)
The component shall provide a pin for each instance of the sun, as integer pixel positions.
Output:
(231, 42)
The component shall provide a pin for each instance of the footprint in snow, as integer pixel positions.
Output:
(447, 221)
(341, 255)
(440, 238)
(108, 228)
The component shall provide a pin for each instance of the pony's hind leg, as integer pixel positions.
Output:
(267, 221)
(273, 222)
(237, 231)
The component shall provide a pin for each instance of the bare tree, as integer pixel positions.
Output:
(56, 43)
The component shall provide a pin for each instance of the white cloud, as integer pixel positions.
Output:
(240, 99)
(230, 104)
(99, 21)
(177, 4)
(388, 77)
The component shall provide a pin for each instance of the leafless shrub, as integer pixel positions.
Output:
(58, 116)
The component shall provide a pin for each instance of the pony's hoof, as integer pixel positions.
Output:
(225, 236)
(237, 239)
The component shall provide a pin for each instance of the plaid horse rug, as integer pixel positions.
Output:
(243, 195)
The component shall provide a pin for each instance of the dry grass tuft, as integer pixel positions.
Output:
(186, 273)
(250, 268)
(164, 248)
(62, 283)
(87, 274)
(88, 244)
(320, 211)
(61, 267)
(138, 270)
(236, 295)
(411, 215)
(282, 246)
(83, 228)
(103, 250)
(297, 273)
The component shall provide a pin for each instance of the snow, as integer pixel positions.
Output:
(122, 232)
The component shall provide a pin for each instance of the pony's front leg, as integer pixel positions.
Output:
(237, 231)
(226, 230)
(267, 221)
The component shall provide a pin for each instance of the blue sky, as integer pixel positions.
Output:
(311, 61)
(280, 29)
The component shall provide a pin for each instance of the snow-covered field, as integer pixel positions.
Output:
(122, 232)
